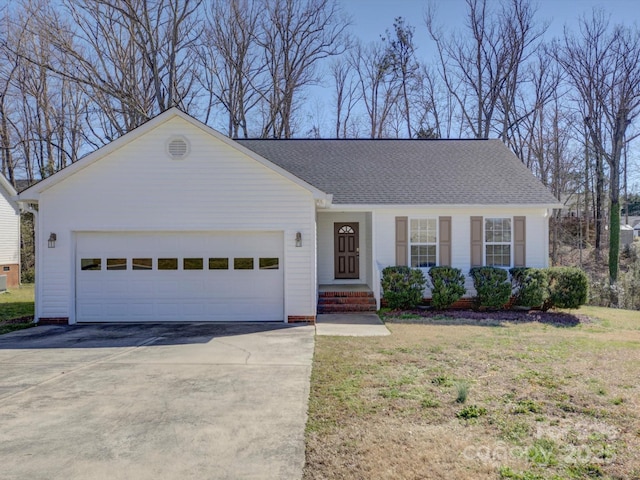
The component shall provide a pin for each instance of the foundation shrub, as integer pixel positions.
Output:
(568, 287)
(403, 287)
(493, 289)
(530, 286)
(447, 286)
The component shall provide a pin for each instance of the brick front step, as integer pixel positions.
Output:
(354, 308)
(345, 294)
(346, 302)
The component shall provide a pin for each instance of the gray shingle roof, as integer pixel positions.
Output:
(408, 172)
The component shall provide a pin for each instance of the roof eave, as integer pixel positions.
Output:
(7, 186)
(377, 206)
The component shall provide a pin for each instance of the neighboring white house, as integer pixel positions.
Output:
(176, 222)
(9, 235)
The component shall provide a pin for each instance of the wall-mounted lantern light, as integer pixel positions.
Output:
(298, 239)
(52, 240)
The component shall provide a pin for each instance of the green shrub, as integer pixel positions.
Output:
(568, 287)
(403, 287)
(471, 411)
(27, 275)
(447, 286)
(531, 286)
(492, 288)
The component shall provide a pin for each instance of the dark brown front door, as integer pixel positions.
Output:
(347, 250)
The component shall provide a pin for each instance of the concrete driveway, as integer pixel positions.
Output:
(166, 401)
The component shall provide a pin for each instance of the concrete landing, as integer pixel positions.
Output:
(350, 325)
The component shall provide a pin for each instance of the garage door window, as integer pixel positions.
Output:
(167, 264)
(141, 264)
(192, 263)
(269, 264)
(243, 263)
(91, 264)
(218, 264)
(116, 263)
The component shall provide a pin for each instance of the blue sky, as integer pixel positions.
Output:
(372, 17)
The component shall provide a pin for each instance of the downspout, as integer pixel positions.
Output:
(26, 207)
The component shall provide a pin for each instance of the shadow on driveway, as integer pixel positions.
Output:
(130, 335)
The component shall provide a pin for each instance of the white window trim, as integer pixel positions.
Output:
(485, 243)
(437, 242)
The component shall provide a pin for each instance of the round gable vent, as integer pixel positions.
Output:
(178, 148)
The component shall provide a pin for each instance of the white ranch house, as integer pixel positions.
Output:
(9, 236)
(176, 222)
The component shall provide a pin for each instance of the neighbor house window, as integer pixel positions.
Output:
(423, 237)
(497, 241)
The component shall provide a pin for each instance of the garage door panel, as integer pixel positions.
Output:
(182, 294)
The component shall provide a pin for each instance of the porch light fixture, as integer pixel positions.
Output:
(52, 240)
(298, 239)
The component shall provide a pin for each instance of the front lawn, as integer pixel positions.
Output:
(16, 309)
(452, 398)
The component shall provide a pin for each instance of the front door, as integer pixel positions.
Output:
(347, 250)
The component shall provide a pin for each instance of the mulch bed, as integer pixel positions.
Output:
(493, 316)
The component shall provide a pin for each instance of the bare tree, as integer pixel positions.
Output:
(41, 113)
(401, 58)
(231, 67)
(346, 94)
(604, 67)
(378, 86)
(133, 58)
(295, 36)
(483, 73)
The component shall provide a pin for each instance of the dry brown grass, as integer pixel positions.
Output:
(561, 402)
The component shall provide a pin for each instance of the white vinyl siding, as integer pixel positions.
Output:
(9, 230)
(537, 234)
(139, 188)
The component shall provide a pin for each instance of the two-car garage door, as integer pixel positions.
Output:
(197, 276)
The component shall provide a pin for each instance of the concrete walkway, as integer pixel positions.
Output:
(190, 401)
(351, 325)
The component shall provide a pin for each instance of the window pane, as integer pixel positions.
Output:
(192, 263)
(243, 263)
(268, 264)
(423, 230)
(498, 255)
(167, 264)
(141, 264)
(218, 264)
(91, 264)
(423, 256)
(497, 230)
(116, 263)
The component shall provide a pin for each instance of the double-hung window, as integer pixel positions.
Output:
(423, 237)
(497, 242)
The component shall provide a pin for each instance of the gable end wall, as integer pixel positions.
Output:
(138, 188)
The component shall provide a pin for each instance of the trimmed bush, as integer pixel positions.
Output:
(531, 286)
(568, 287)
(447, 286)
(492, 287)
(403, 287)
